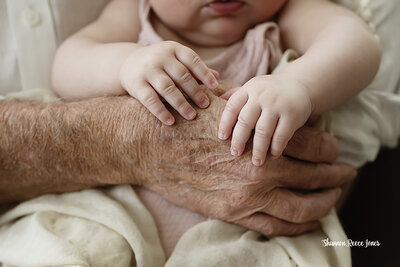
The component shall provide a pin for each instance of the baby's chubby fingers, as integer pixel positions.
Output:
(231, 113)
(165, 87)
(184, 79)
(149, 98)
(245, 124)
(265, 128)
(193, 62)
(215, 73)
(283, 133)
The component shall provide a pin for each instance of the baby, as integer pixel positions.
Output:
(161, 48)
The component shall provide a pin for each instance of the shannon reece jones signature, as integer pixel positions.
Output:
(350, 243)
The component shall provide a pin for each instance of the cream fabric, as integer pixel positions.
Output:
(105, 227)
(85, 228)
(88, 228)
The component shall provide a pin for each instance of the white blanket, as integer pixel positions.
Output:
(111, 227)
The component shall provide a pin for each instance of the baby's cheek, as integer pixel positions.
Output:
(176, 14)
(266, 10)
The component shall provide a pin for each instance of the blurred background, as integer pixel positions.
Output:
(371, 211)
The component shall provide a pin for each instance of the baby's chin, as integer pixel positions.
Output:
(214, 34)
(226, 33)
(214, 40)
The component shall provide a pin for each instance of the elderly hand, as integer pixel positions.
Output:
(116, 140)
(190, 166)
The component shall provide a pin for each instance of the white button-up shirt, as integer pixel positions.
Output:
(30, 31)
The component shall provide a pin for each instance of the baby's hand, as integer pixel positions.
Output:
(163, 68)
(275, 105)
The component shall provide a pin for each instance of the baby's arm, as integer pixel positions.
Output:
(88, 63)
(104, 59)
(340, 56)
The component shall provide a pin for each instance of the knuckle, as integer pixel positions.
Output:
(133, 89)
(196, 59)
(230, 107)
(185, 77)
(240, 198)
(320, 173)
(167, 48)
(148, 100)
(269, 229)
(224, 211)
(289, 108)
(244, 122)
(169, 89)
(254, 174)
(171, 43)
(263, 132)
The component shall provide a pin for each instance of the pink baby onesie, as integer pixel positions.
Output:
(257, 54)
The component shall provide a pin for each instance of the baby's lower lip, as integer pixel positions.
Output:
(226, 8)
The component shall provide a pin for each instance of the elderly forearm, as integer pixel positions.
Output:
(59, 147)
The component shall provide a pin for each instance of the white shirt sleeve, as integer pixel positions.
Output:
(33, 27)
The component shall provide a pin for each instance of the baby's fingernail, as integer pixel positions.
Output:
(204, 102)
(170, 121)
(221, 135)
(191, 114)
(234, 152)
(257, 161)
(214, 82)
(216, 74)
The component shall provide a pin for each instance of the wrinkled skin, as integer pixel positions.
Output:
(190, 166)
(62, 147)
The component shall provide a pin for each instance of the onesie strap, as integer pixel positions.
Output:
(147, 35)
